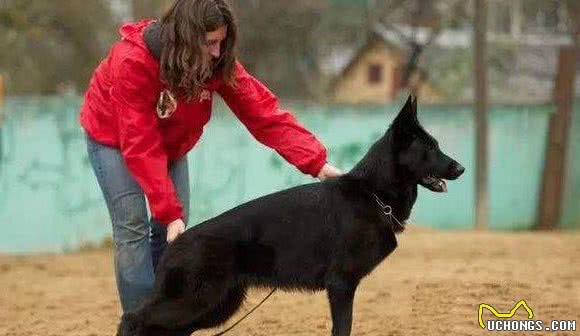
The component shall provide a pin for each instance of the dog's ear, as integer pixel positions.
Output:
(404, 127)
(411, 109)
(408, 113)
(414, 107)
(406, 120)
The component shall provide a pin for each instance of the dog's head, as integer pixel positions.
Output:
(134, 324)
(417, 153)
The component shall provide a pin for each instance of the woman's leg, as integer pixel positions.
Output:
(179, 173)
(127, 209)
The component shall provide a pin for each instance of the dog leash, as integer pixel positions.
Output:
(247, 314)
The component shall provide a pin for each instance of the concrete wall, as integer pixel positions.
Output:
(49, 198)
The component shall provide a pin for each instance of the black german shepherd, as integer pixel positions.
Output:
(320, 236)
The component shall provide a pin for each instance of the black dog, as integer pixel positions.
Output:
(318, 236)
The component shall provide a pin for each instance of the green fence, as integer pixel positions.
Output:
(49, 198)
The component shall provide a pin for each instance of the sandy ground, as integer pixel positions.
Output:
(432, 285)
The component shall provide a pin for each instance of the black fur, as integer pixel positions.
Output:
(320, 236)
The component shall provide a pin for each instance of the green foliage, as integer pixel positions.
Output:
(450, 71)
(48, 43)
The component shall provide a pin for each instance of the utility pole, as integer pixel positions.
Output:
(517, 18)
(480, 62)
(1, 118)
(370, 8)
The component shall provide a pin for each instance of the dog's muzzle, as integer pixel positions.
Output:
(438, 184)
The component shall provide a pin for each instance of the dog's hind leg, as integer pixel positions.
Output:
(181, 300)
(341, 296)
(185, 314)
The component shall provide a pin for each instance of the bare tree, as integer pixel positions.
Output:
(418, 15)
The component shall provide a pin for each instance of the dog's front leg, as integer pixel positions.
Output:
(340, 297)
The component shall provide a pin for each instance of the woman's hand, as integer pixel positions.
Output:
(174, 229)
(329, 171)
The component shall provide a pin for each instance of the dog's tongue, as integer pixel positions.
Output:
(436, 184)
(443, 185)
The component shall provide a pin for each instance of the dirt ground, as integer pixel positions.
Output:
(431, 285)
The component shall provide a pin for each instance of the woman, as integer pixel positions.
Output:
(145, 108)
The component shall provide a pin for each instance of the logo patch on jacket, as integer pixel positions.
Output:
(166, 105)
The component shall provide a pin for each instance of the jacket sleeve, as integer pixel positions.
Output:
(134, 96)
(258, 109)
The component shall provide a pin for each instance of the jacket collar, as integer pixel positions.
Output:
(152, 38)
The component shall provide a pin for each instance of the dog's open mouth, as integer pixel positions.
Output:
(434, 184)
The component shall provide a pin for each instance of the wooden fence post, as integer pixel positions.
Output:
(554, 174)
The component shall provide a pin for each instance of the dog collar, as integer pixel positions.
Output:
(387, 210)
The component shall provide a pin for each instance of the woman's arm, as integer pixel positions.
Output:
(258, 109)
(134, 93)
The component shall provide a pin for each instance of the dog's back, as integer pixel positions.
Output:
(290, 239)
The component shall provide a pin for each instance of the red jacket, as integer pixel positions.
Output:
(119, 111)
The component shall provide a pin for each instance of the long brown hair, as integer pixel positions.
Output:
(183, 66)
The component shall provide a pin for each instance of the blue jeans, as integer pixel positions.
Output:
(138, 241)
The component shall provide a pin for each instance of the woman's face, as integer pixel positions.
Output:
(213, 40)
